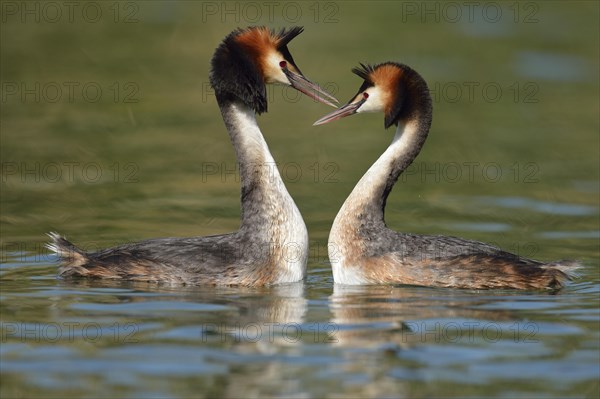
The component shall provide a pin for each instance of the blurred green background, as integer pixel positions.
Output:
(110, 131)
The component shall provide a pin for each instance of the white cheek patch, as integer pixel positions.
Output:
(273, 72)
(375, 102)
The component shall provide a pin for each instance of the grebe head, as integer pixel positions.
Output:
(247, 59)
(392, 88)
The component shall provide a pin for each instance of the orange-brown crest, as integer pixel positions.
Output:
(387, 78)
(258, 41)
(262, 43)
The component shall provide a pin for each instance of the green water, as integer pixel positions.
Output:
(110, 133)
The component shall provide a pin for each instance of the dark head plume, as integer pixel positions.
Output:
(236, 73)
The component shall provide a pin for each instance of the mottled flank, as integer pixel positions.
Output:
(477, 271)
(215, 260)
(455, 262)
(378, 255)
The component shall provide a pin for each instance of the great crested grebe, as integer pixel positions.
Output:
(271, 246)
(363, 250)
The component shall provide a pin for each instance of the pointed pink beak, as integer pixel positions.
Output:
(346, 110)
(312, 90)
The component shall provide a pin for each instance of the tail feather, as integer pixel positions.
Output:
(567, 270)
(69, 254)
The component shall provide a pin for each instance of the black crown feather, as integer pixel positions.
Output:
(236, 76)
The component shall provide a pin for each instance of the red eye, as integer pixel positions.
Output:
(365, 95)
(283, 64)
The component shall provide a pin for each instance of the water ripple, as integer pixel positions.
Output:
(555, 208)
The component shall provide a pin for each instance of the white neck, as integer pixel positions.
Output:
(362, 214)
(269, 214)
(368, 194)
